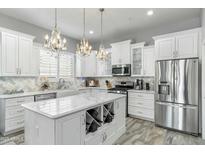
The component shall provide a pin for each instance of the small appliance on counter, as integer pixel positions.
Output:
(108, 84)
(92, 83)
(147, 86)
(139, 84)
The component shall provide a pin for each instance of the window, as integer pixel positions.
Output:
(49, 64)
(66, 65)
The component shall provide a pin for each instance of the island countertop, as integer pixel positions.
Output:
(56, 108)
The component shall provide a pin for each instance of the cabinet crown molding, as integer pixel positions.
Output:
(177, 33)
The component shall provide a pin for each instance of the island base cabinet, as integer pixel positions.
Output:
(70, 129)
(39, 130)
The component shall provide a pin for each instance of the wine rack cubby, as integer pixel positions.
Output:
(98, 116)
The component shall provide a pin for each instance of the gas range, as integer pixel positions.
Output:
(119, 90)
(122, 87)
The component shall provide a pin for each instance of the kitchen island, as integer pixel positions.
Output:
(87, 118)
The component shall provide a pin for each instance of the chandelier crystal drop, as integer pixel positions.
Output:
(54, 42)
(102, 54)
(84, 48)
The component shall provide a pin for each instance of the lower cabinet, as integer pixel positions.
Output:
(141, 105)
(90, 126)
(12, 114)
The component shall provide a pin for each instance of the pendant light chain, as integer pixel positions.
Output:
(102, 26)
(84, 23)
(55, 17)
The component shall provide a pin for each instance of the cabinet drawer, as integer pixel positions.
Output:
(14, 111)
(14, 123)
(141, 95)
(141, 112)
(94, 139)
(141, 103)
(19, 101)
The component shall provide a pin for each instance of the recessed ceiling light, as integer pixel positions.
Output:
(91, 32)
(150, 12)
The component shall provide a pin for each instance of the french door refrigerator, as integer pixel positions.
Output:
(176, 99)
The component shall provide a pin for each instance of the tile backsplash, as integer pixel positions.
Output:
(114, 80)
(28, 84)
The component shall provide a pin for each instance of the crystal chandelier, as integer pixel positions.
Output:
(101, 53)
(84, 48)
(55, 42)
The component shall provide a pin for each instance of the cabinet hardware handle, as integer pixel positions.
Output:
(19, 111)
(21, 122)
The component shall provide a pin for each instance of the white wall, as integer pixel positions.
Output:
(21, 26)
(203, 72)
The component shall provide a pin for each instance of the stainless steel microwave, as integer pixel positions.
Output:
(121, 70)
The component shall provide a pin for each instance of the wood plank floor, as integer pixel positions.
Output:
(139, 132)
(144, 132)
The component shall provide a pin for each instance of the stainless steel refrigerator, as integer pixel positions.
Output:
(176, 99)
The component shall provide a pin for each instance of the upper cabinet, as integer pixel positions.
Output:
(177, 45)
(90, 66)
(142, 60)
(137, 59)
(121, 52)
(16, 50)
(9, 54)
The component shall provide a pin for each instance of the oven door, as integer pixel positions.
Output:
(121, 70)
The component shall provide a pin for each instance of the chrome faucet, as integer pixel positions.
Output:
(61, 83)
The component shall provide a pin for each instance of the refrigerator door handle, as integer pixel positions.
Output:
(177, 105)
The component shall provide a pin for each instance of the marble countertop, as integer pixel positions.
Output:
(142, 91)
(6, 96)
(56, 108)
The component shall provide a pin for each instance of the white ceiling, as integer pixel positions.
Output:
(116, 21)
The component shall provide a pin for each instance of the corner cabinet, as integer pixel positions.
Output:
(121, 52)
(142, 60)
(16, 54)
(183, 44)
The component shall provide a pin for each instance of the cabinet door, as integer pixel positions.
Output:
(9, 54)
(186, 45)
(125, 53)
(78, 66)
(71, 129)
(165, 48)
(116, 55)
(25, 56)
(149, 61)
(35, 61)
(137, 61)
(90, 65)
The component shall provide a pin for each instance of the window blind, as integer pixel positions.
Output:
(66, 65)
(48, 64)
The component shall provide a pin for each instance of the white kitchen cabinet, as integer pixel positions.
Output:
(186, 45)
(25, 56)
(142, 60)
(9, 53)
(121, 52)
(12, 114)
(16, 53)
(177, 45)
(71, 129)
(141, 104)
(90, 65)
(137, 59)
(86, 65)
(165, 48)
(149, 61)
(104, 67)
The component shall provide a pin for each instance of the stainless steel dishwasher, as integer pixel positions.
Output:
(47, 96)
